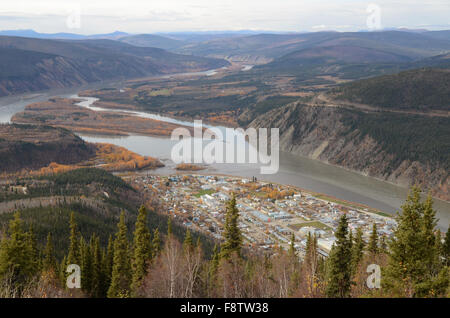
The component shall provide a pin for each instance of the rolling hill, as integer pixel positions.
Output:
(61, 35)
(409, 44)
(400, 148)
(343, 54)
(397, 139)
(32, 147)
(421, 89)
(152, 40)
(29, 64)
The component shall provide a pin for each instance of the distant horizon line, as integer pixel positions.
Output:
(212, 32)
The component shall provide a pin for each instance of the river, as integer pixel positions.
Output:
(294, 170)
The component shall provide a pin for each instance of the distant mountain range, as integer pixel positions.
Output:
(410, 44)
(61, 35)
(350, 55)
(30, 64)
(33, 61)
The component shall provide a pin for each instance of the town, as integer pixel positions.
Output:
(270, 214)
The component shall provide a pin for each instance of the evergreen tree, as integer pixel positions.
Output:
(32, 242)
(156, 243)
(339, 279)
(372, 247)
(212, 273)
(410, 271)
(110, 254)
(62, 271)
(86, 266)
(17, 254)
(429, 223)
(292, 251)
(98, 274)
(232, 233)
(446, 248)
(142, 250)
(357, 249)
(187, 244)
(74, 248)
(214, 263)
(121, 271)
(49, 262)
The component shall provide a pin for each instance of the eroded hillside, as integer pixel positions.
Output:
(32, 147)
(400, 148)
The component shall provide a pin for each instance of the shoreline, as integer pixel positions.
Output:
(318, 195)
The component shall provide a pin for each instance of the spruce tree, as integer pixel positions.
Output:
(372, 247)
(98, 272)
(17, 254)
(213, 269)
(292, 251)
(188, 240)
(32, 242)
(410, 271)
(156, 243)
(429, 223)
(232, 233)
(62, 271)
(74, 248)
(142, 250)
(49, 262)
(214, 263)
(339, 279)
(357, 249)
(109, 259)
(121, 271)
(446, 248)
(86, 266)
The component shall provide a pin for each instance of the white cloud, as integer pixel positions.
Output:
(177, 15)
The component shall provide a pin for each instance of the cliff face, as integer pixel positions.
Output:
(333, 135)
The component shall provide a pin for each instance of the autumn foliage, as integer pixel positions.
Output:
(108, 157)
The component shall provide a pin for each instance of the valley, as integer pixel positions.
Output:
(30, 64)
(296, 170)
(315, 121)
(191, 153)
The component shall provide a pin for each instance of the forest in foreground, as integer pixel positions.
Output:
(415, 262)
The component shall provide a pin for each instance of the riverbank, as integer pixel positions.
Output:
(294, 170)
(67, 113)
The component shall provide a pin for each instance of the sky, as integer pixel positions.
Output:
(152, 16)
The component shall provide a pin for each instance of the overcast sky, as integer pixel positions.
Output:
(147, 16)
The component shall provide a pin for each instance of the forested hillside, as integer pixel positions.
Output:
(28, 64)
(402, 148)
(421, 89)
(32, 147)
(140, 262)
